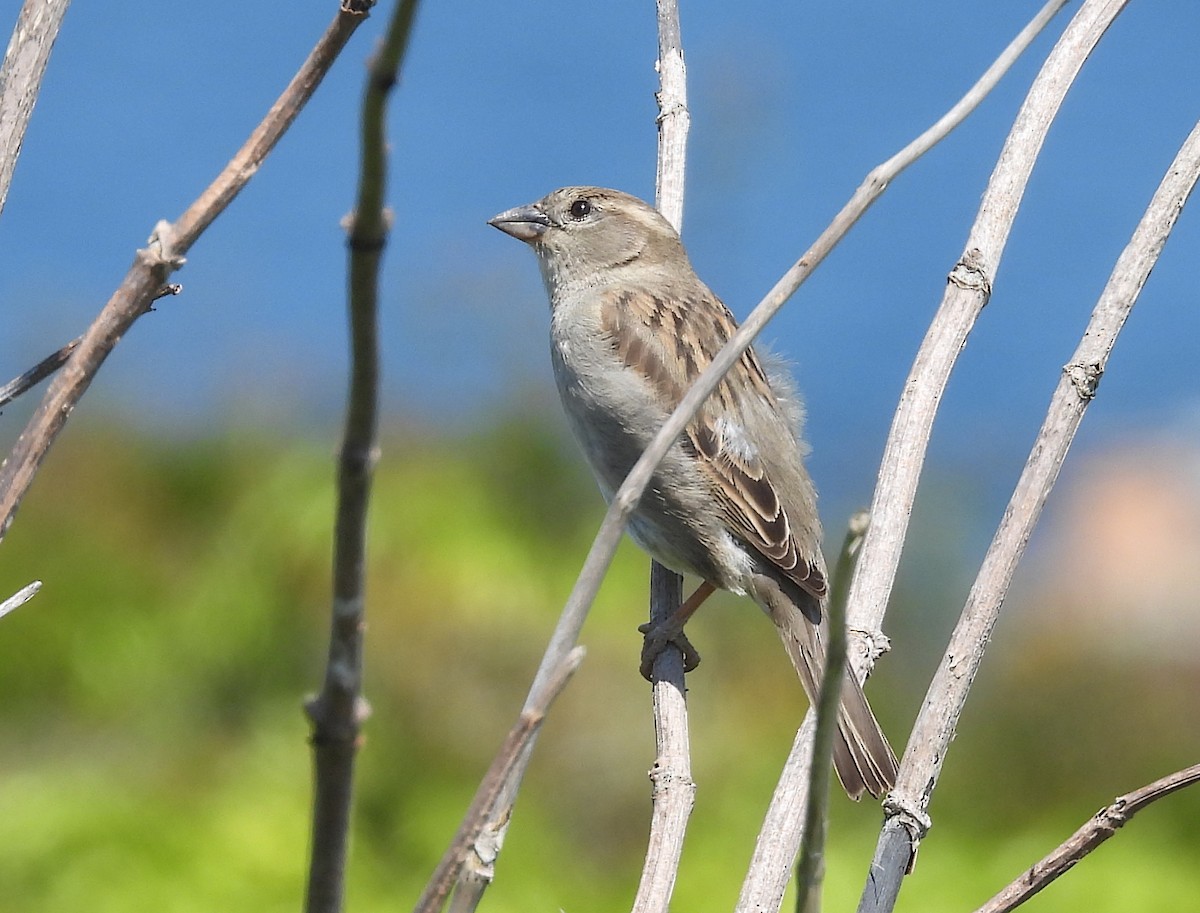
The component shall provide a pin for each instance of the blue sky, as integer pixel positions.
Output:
(501, 102)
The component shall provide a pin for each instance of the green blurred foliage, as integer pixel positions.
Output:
(152, 745)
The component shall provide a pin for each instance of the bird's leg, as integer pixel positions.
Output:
(670, 631)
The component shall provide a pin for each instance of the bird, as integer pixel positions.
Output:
(631, 328)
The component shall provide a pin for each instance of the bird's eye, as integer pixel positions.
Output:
(580, 209)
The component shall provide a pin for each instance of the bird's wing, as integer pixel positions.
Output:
(670, 339)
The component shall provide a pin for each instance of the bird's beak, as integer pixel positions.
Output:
(525, 223)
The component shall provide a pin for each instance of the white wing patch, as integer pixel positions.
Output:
(734, 441)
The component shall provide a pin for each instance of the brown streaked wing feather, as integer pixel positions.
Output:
(641, 325)
(634, 321)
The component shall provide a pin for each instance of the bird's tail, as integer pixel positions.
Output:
(862, 756)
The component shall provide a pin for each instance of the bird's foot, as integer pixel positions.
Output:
(658, 638)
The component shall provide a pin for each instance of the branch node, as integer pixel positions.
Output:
(161, 247)
(910, 816)
(626, 500)
(878, 179)
(663, 779)
(1113, 817)
(870, 643)
(670, 108)
(1085, 378)
(970, 274)
(366, 239)
(359, 244)
(316, 708)
(488, 844)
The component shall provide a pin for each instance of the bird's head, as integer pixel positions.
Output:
(581, 234)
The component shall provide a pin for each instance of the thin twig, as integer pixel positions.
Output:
(514, 748)
(338, 711)
(20, 597)
(907, 806)
(904, 453)
(674, 119)
(18, 386)
(780, 835)
(478, 865)
(21, 78)
(152, 265)
(20, 82)
(674, 791)
(1098, 829)
(21, 385)
(810, 870)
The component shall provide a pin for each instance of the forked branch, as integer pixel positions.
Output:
(152, 265)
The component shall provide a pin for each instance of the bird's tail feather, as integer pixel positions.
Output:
(862, 756)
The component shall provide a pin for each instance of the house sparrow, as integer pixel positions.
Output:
(631, 328)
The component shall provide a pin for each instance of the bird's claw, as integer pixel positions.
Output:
(658, 638)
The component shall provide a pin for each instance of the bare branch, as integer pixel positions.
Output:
(674, 119)
(810, 870)
(673, 134)
(21, 78)
(965, 297)
(513, 753)
(780, 835)
(674, 790)
(469, 858)
(1098, 829)
(18, 386)
(20, 597)
(152, 265)
(338, 711)
(908, 804)
(25, 382)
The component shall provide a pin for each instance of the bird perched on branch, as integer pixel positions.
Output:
(631, 328)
